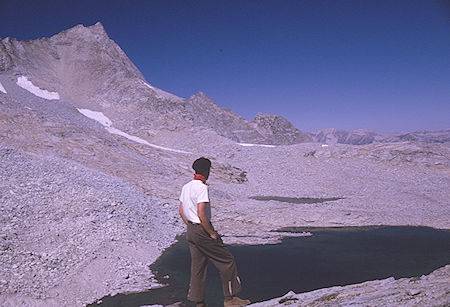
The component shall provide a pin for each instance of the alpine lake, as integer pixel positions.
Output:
(330, 257)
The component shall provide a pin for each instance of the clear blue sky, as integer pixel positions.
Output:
(372, 64)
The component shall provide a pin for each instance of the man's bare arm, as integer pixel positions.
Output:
(201, 211)
(182, 214)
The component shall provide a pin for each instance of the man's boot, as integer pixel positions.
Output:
(235, 302)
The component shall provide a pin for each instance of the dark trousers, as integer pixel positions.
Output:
(202, 248)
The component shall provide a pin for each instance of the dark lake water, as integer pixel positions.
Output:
(328, 258)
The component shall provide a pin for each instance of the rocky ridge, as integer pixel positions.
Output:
(362, 137)
(91, 71)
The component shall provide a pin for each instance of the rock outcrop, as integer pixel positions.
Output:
(429, 290)
(278, 130)
(202, 111)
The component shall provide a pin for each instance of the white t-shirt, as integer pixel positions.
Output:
(194, 192)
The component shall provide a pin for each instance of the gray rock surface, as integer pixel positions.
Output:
(429, 290)
(60, 219)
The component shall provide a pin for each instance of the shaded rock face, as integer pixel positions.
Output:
(278, 130)
(89, 70)
(5, 59)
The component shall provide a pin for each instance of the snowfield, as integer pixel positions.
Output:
(107, 123)
(26, 84)
(97, 116)
(253, 145)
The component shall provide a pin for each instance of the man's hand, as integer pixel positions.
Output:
(182, 214)
(213, 236)
(201, 211)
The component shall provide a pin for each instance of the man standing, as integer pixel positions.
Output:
(204, 242)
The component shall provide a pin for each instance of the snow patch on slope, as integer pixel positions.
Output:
(260, 145)
(24, 83)
(107, 123)
(97, 116)
(2, 89)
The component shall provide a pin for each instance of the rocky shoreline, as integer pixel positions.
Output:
(427, 290)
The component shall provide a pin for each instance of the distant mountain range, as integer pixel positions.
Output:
(90, 71)
(361, 137)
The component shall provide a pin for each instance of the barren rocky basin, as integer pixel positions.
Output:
(89, 203)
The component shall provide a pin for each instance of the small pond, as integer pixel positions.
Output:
(328, 258)
(296, 200)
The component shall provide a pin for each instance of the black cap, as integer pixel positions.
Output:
(201, 165)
